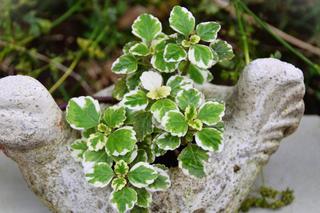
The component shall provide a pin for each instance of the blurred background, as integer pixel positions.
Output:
(69, 45)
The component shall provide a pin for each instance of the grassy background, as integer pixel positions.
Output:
(46, 39)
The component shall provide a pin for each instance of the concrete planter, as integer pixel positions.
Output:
(265, 106)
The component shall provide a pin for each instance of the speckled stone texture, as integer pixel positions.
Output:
(265, 106)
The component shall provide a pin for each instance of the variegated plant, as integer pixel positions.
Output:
(160, 110)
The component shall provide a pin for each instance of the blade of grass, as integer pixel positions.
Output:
(243, 33)
(316, 67)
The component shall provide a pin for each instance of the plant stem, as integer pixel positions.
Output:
(279, 39)
(76, 60)
(243, 33)
(56, 22)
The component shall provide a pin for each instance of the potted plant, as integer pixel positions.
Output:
(166, 146)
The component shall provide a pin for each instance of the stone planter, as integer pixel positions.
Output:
(265, 106)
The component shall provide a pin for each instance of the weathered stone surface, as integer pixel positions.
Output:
(265, 106)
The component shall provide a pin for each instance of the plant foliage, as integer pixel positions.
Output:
(160, 109)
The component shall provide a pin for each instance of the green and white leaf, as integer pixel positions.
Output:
(190, 113)
(149, 149)
(202, 56)
(114, 116)
(161, 65)
(125, 64)
(133, 80)
(96, 141)
(118, 183)
(166, 141)
(142, 124)
(129, 157)
(78, 148)
(162, 183)
(120, 89)
(192, 160)
(151, 80)
(83, 113)
(210, 139)
(159, 93)
(174, 53)
(137, 209)
(223, 50)
(175, 123)
(144, 198)
(124, 199)
(121, 168)
(157, 151)
(198, 75)
(146, 27)
(142, 174)
(211, 112)
(121, 141)
(90, 158)
(178, 83)
(141, 156)
(99, 175)
(208, 31)
(160, 107)
(181, 20)
(139, 49)
(135, 100)
(127, 47)
(191, 97)
(196, 124)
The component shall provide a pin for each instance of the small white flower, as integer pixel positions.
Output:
(152, 81)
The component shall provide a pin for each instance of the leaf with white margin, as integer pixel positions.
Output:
(162, 183)
(133, 80)
(202, 56)
(197, 74)
(140, 49)
(127, 47)
(208, 31)
(121, 168)
(190, 113)
(135, 100)
(192, 160)
(144, 198)
(125, 64)
(211, 112)
(149, 151)
(137, 209)
(129, 157)
(90, 158)
(178, 83)
(99, 175)
(151, 80)
(157, 151)
(141, 157)
(174, 53)
(78, 148)
(118, 183)
(191, 97)
(160, 107)
(210, 139)
(142, 124)
(114, 116)
(196, 124)
(120, 89)
(124, 199)
(223, 49)
(181, 20)
(142, 174)
(121, 141)
(166, 141)
(175, 123)
(146, 27)
(161, 65)
(159, 93)
(83, 113)
(96, 141)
